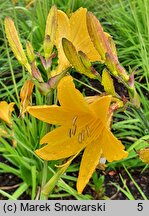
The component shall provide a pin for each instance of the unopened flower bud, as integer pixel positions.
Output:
(53, 81)
(44, 88)
(30, 51)
(131, 80)
(36, 73)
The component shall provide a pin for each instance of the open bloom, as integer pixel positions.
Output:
(5, 111)
(75, 30)
(83, 125)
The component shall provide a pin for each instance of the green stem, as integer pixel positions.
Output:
(94, 89)
(44, 179)
(49, 101)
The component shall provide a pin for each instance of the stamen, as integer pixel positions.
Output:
(87, 130)
(73, 129)
(80, 137)
(83, 135)
(74, 120)
(69, 132)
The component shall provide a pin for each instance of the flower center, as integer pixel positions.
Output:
(81, 134)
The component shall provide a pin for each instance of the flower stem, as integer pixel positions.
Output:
(49, 101)
(44, 179)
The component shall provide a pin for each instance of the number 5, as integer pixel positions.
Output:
(140, 207)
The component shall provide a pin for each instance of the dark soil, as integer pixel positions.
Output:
(140, 178)
(9, 182)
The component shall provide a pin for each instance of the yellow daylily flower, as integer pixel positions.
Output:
(75, 30)
(5, 111)
(83, 125)
(144, 155)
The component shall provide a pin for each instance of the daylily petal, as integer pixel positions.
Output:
(59, 146)
(144, 155)
(89, 162)
(51, 114)
(75, 129)
(70, 98)
(5, 111)
(112, 148)
(63, 30)
(55, 136)
(101, 107)
(80, 36)
(75, 30)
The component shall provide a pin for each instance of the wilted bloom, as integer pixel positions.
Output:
(144, 155)
(3, 133)
(81, 126)
(73, 29)
(25, 95)
(5, 111)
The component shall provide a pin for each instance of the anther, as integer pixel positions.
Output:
(73, 129)
(83, 135)
(69, 133)
(80, 137)
(74, 120)
(87, 131)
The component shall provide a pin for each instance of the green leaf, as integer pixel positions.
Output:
(26, 175)
(9, 169)
(34, 183)
(23, 187)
